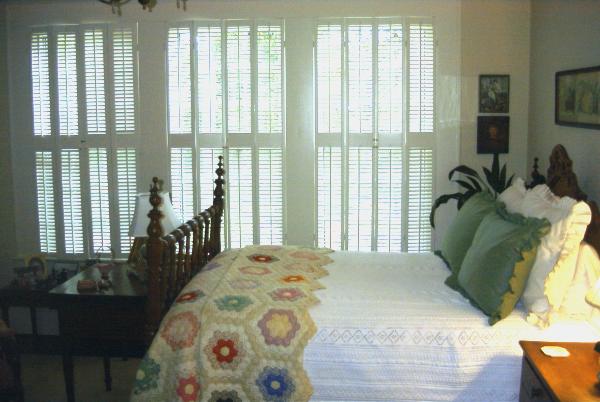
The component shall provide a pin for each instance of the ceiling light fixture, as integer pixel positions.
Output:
(146, 4)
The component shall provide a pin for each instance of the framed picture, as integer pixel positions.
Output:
(494, 91)
(577, 100)
(492, 134)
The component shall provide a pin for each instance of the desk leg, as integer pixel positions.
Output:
(68, 369)
(34, 328)
(107, 377)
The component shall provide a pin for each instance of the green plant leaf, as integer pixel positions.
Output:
(465, 198)
(442, 199)
(463, 169)
(467, 186)
(509, 182)
(475, 183)
(496, 165)
(503, 176)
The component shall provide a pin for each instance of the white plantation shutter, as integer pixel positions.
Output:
(182, 183)
(210, 80)
(270, 72)
(390, 59)
(66, 54)
(360, 79)
(180, 84)
(270, 194)
(40, 84)
(239, 165)
(99, 194)
(239, 79)
(421, 70)
(420, 194)
(124, 81)
(389, 206)
(360, 197)
(329, 194)
(71, 201)
(127, 190)
(329, 78)
(45, 201)
(94, 81)
(385, 176)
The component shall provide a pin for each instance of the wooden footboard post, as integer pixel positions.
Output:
(154, 252)
(215, 227)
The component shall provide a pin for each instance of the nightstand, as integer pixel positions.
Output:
(107, 323)
(552, 379)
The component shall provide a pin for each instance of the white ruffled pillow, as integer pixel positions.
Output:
(556, 260)
(513, 196)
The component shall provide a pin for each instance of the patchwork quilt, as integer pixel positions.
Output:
(238, 330)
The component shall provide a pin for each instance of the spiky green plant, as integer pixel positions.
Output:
(471, 183)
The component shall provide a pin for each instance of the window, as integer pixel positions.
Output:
(225, 96)
(374, 89)
(81, 72)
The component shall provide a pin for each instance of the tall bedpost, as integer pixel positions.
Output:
(215, 227)
(154, 249)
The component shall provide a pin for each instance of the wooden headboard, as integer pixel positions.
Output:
(174, 258)
(563, 182)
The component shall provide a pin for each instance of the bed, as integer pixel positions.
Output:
(386, 328)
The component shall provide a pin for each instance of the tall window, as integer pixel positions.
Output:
(225, 96)
(83, 94)
(375, 126)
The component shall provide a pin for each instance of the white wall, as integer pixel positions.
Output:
(564, 35)
(495, 40)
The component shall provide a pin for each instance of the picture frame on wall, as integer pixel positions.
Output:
(577, 98)
(492, 134)
(494, 93)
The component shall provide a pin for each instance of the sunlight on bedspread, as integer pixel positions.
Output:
(390, 330)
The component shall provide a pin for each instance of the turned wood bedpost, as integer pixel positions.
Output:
(154, 250)
(215, 226)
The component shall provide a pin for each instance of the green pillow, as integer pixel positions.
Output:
(460, 233)
(495, 270)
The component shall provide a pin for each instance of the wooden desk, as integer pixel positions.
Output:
(31, 298)
(566, 379)
(106, 323)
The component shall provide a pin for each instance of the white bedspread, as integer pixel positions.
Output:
(390, 330)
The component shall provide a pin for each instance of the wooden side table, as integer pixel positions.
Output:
(552, 379)
(108, 323)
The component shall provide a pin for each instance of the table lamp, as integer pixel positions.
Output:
(140, 222)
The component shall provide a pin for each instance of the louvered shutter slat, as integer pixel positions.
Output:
(329, 78)
(71, 201)
(182, 183)
(270, 190)
(269, 68)
(94, 81)
(360, 79)
(124, 81)
(126, 187)
(329, 195)
(360, 198)
(239, 78)
(420, 194)
(100, 212)
(45, 201)
(389, 79)
(179, 75)
(40, 84)
(389, 208)
(210, 80)
(421, 84)
(67, 83)
(239, 166)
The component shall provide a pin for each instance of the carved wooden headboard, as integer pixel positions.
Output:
(563, 182)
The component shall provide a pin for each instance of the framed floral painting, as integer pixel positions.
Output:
(577, 100)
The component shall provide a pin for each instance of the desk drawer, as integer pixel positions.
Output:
(532, 388)
(102, 322)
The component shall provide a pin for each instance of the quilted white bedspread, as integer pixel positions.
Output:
(390, 330)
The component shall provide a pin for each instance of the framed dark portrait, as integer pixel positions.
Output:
(492, 134)
(494, 92)
(577, 94)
